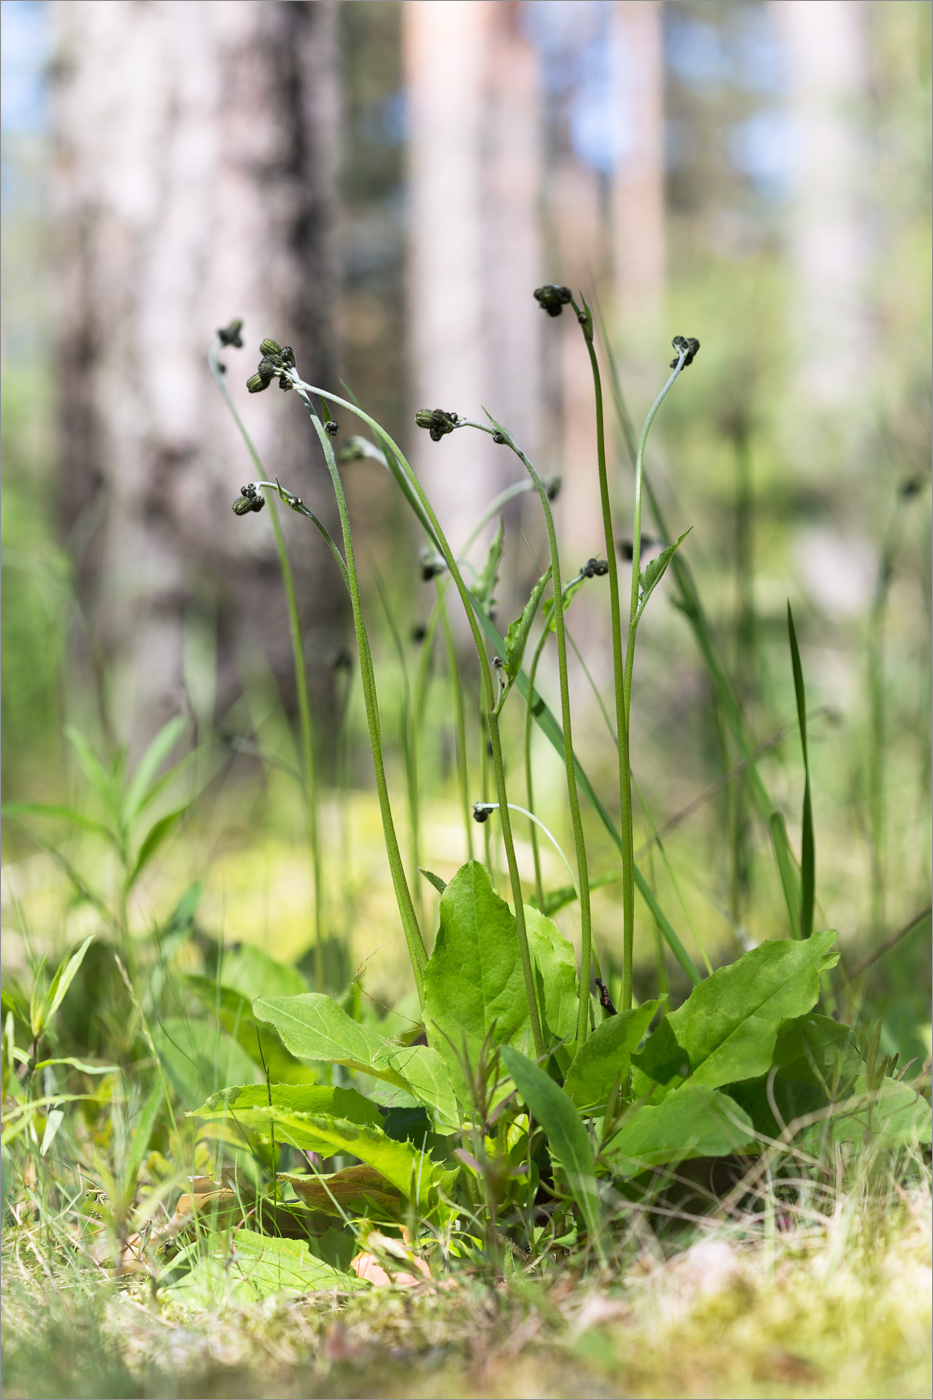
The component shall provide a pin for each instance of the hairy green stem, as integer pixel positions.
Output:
(576, 819)
(625, 763)
(453, 671)
(413, 936)
(415, 493)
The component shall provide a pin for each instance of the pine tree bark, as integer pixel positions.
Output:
(194, 181)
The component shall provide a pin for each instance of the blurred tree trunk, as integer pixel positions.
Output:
(475, 259)
(194, 181)
(638, 193)
(828, 77)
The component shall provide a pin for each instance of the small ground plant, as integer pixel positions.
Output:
(520, 1116)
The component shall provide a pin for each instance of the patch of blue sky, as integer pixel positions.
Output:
(24, 55)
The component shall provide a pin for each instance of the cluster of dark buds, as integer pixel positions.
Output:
(594, 568)
(482, 811)
(553, 299)
(686, 346)
(605, 1000)
(432, 565)
(332, 427)
(275, 358)
(437, 422)
(230, 335)
(250, 498)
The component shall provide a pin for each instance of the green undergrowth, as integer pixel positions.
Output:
(838, 1305)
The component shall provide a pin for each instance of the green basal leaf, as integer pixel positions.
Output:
(291, 1098)
(696, 1122)
(555, 975)
(727, 1028)
(314, 1027)
(895, 1115)
(604, 1058)
(516, 638)
(568, 1140)
(248, 1267)
(428, 1080)
(474, 992)
(199, 1058)
(234, 1011)
(253, 972)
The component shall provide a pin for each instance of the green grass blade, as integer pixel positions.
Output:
(787, 869)
(808, 844)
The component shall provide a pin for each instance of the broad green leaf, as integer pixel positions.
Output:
(234, 1011)
(291, 1098)
(410, 1170)
(62, 980)
(696, 1122)
(314, 1027)
(253, 972)
(428, 1080)
(568, 1140)
(517, 636)
(473, 983)
(817, 1062)
(653, 573)
(149, 765)
(727, 1028)
(787, 869)
(199, 1058)
(555, 974)
(249, 1267)
(354, 1191)
(488, 579)
(605, 1056)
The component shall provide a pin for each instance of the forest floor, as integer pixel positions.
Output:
(834, 1308)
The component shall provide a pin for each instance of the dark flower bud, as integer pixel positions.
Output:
(419, 632)
(605, 1000)
(270, 347)
(257, 382)
(332, 428)
(912, 487)
(250, 499)
(437, 421)
(231, 335)
(595, 568)
(690, 345)
(342, 660)
(431, 566)
(553, 299)
(285, 383)
(269, 367)
(499, 438)
(552, 485)
(287, 356)
(481, 812)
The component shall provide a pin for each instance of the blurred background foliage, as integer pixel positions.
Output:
(754, 174)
